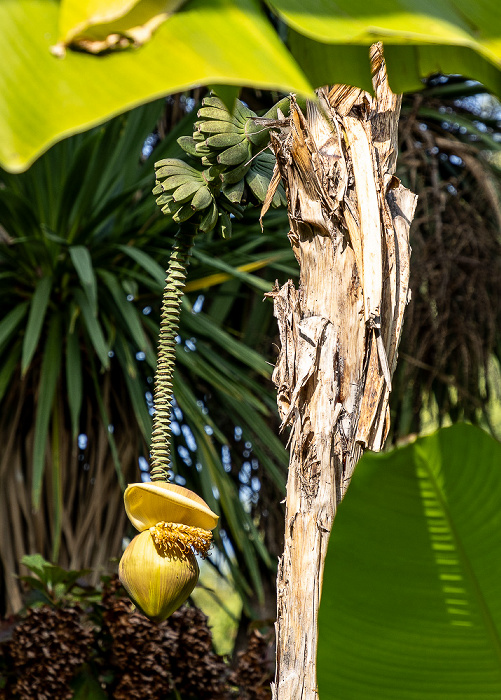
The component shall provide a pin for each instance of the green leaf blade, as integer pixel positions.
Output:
(93, 328)
(38, 308)
(74, 380)
(82, 262)
(51, 365)
(411, 605)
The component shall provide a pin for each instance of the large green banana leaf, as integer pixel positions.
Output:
(434, 36)
(411, 604)
(44, 98)
(229, 42)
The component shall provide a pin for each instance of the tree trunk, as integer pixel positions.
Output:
(349, 217)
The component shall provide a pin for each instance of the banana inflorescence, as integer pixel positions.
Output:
(229, 165)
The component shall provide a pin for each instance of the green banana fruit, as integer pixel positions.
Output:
(209, 220)
(185, 192)
(213, 101)
(235, 174)
(234, 192)
(201, 199)
(215, 113)
(214, 172)
(258, 183)
(219, 127)
(174, 181)
(235, 155)
(188, 144)
(224, 140)
(183, 214)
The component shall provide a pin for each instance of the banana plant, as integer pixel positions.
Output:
(83, 254)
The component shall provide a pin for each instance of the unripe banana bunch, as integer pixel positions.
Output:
(230, 146)
(223, 137)
(184, 191)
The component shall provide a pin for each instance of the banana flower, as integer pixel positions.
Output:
(159, 569)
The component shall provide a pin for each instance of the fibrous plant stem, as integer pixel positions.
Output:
(339, 331)
(169, 326)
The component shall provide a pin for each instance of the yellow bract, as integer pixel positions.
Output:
(156, 501)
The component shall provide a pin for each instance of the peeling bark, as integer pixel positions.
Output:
(349, 219)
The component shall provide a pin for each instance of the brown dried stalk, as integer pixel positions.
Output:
(349, 217)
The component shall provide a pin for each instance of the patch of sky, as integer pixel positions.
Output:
(198, 305)
(82, 441)
(178, 340)
(178, 479)
(215, 492)
(451, 189)
(177, 411)
(130, 297)
(481, 126)
(188, 436)
(111, 353)
(190, 344)
(256, 484)
(147, 310)
(175, 427)
(198, 467)
(226, 458)
(208, 430)
(143, 464)
(255, 463)
(185, 455)
(111, 429)
(149, 145)
(423, 127)
(455, 160)
(245, 473)
(237, 433)
(145, 477)
(140, 356)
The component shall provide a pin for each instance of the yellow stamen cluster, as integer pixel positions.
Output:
(169, 536)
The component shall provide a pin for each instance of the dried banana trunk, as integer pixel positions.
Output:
(349, 218)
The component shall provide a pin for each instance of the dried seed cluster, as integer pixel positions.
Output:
(183, 537)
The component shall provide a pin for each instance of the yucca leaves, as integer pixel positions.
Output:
(51, 366)
(36, 318)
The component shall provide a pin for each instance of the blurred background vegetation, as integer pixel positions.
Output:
(82, 255)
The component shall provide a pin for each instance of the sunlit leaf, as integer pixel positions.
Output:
(410, 604)
(443, 37)
(43, 98)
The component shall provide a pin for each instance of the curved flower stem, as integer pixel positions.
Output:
(169, 325)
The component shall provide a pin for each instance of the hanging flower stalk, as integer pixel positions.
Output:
(159, 569)
(228, 167)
